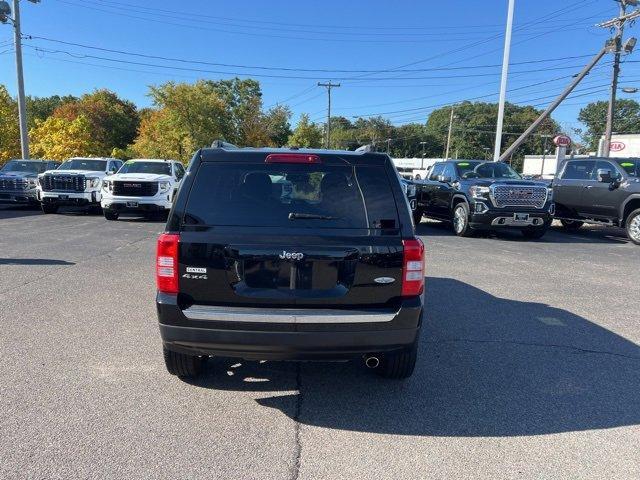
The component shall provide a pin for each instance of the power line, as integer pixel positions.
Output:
(286, 69)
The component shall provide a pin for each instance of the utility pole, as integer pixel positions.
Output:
(550, 109)
(446, 155)
(503, 81)
(5, 12)
(388, 146)
(328, 86)
(619, 27)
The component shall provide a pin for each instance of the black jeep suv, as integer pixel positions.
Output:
(290, 255)
(603, 191)
(477, 195)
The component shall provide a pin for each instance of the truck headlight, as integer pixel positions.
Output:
(549, 194)
(106, 185)
(93, 182)
(164, 186)
(479, 192)
(32, 183)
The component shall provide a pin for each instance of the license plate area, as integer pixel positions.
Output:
(520, 217)
(132, 204)
(63, 197)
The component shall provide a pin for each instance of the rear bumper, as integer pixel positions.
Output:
(288, 340)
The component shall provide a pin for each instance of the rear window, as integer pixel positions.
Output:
(291, 195)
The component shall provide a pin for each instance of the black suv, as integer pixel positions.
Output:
(601, 191)
(477, 195)
(290, 255)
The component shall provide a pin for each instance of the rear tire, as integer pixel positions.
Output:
(398, 365)
(633, 226)
(181, 364)
(48, 208)
(536, 234)
(571, 224)
(461, 220)
(110, 215)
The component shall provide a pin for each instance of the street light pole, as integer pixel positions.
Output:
(22, 106)
(503, 81)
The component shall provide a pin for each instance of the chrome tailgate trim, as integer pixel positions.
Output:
(266, 315)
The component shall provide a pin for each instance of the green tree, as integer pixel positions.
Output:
(306, 134)
(594, 117)
(113, 121)
(41, 108)
(278, 126)
(407, 142)
(473, 133)
(9, 129)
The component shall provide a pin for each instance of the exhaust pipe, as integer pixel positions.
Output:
(371, 362)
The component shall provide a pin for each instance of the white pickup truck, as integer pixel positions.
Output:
(142, 185)
(76, 182)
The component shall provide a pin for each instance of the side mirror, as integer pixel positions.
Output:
(110, 172)
(604, 176)
(444, 179)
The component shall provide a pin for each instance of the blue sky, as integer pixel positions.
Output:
(452, 50)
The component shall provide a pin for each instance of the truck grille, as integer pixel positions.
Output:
(135, 189)
(9, 183)
(63, 183)
(517, 196)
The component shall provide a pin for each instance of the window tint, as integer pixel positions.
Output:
(138, 166)
(23, 166)
(604, 165)
(436, 171)
(84, 164)
(291, 195)
(465, 169)
(578, 170)
(449, 171)
(632, 167)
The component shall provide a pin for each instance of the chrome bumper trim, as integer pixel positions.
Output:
(265, 315)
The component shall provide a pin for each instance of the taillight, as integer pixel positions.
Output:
(292, 158)
(167, 263)
(413, 268)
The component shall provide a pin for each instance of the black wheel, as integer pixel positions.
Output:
(534, 234)
(417, 216)
(181, 364)
(398, 365)
(109, 215)
(633, 226)
(571, 224)
(461, 220)
(49, 208)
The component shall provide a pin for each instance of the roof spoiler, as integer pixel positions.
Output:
(222, 144)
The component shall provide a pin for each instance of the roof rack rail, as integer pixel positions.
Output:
(222, 144)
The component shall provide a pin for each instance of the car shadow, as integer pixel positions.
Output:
(487, 366)
(34, 261)
(11, 211)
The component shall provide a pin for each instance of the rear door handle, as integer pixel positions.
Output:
(588, 186)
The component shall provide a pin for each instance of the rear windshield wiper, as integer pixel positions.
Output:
(310, 216)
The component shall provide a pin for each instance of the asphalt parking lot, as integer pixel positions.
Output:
(529, 368)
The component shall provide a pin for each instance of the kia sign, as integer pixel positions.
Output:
(617, 146)
(562, 141)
